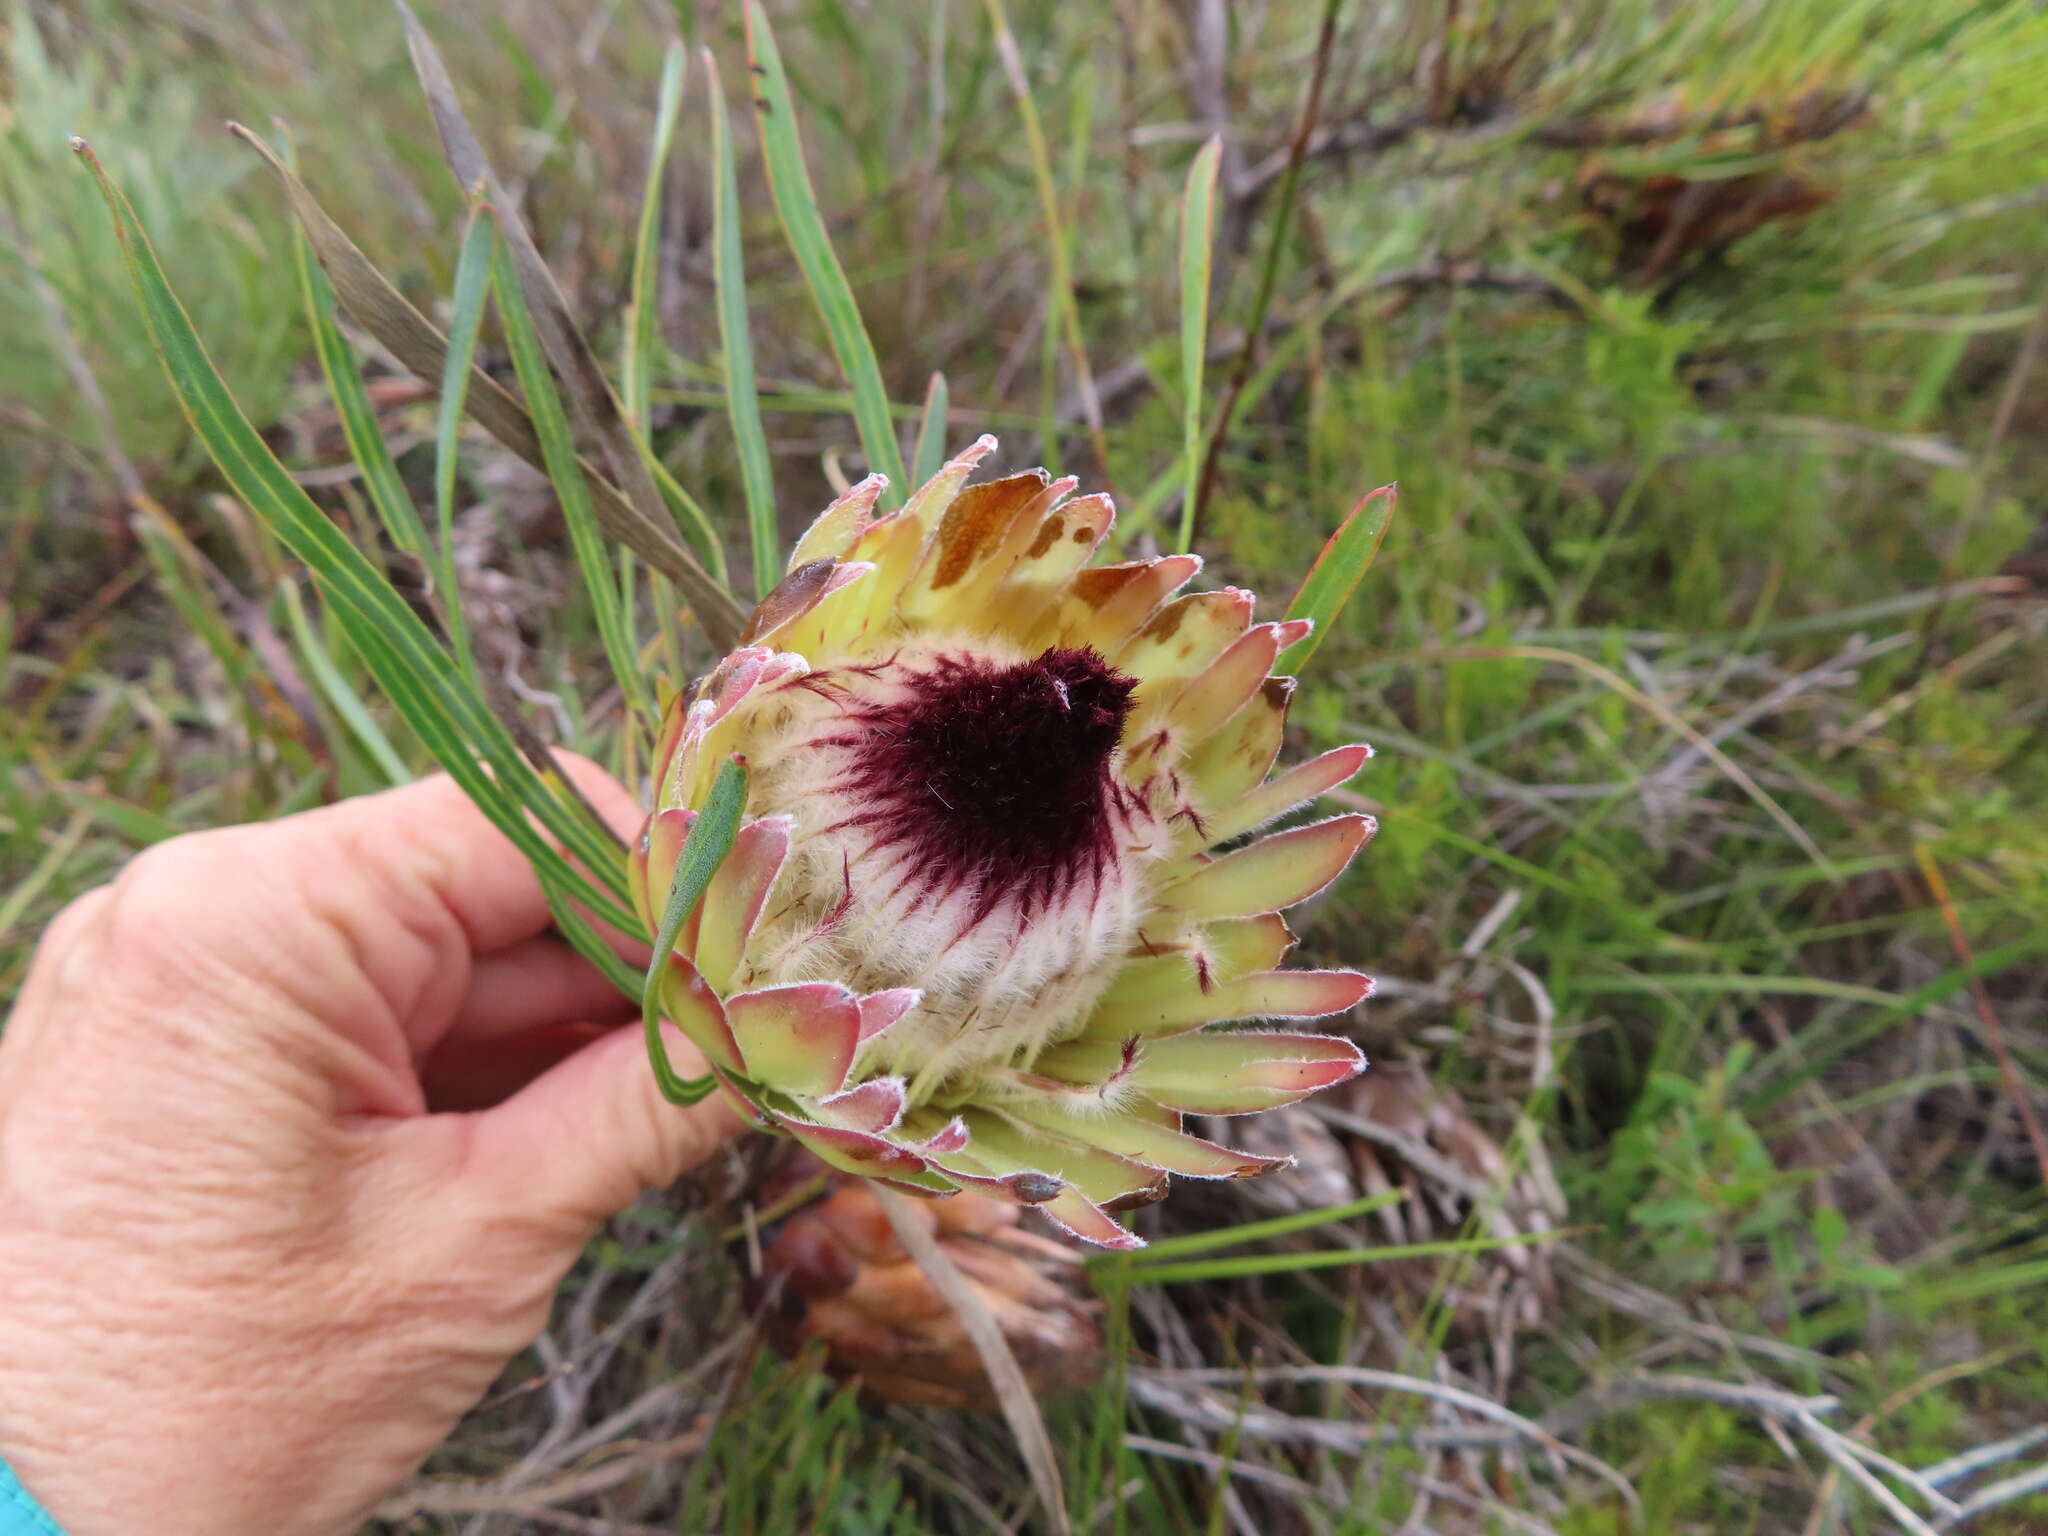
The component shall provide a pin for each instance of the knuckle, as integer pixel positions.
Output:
(179, 892)
(75, 920)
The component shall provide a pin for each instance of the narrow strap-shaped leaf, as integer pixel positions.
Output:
(410, 337)
(465, 321)
(563, 886)
(1058, 246)
(796, 204)
(637, 370)
(1190, 1243)
(341, 697)
(742, 398)
(551, 422)
(636, 358)
(1334, 1258)
(409, 665)
(593, 406)
(931, 433)
(1197, 238)
(344, 376)
(1332, 579)
(710, 839)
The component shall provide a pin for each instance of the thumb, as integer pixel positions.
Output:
(582, 1141)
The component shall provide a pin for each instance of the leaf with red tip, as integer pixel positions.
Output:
(669, 735)
(1259, 995)
(799, 1038)
(948, 1138)
(1074, 1213)
(736, 895)
(692, 1006)
(1238, 754)
(1332, 579)
(651, 864)
(1063, 542)
(875, 1106)
(1144, 1140)
(1272, 874)
(1226, 685)
(734, 678)
(878, 1010)
(1021, 1186)
(1276, 797)
(1106, 604)
(857, 1152)
(836, 528)
(1241, 1074)
(1203, 959)
(1182, 639)
(927, 1185)
(932, 498)
(1294, 631)
(971, 545)
(1112, 1182)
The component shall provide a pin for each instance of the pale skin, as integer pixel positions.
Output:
(301, 1124)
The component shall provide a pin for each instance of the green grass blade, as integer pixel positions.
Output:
(378, 306)
(796, 204)
(1335, 575)
(590, 400)
(709, 841)
(1058, 247)
(636, 362)
(344, 376)
(1197, 239)
(472, 288)
(1327, 1258)
(451, 718)
(736, 343)
(551, 425)
(341, 698)
(1258, 1231)
(931, 433)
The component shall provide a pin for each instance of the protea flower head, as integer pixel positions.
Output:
(976, 927)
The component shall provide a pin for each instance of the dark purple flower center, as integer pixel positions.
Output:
(998, 773)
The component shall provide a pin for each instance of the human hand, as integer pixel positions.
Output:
(300, 1125)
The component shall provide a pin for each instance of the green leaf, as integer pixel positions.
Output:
(341, 698)
(710, 839)
(742, 398)
(796, 204)
(1197, 237)
(1058, 247)
(551, 425)
(352, 402)
(1254, 1231)
(450, 717)
(931, 433)
(637, 356)
(591, 403)
(1324, 1258)
(386, 314)
(1335, 575)
(472, 288)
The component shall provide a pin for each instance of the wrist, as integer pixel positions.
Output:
(20, 1513)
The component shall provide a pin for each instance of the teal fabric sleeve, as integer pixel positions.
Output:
(21, 1515)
